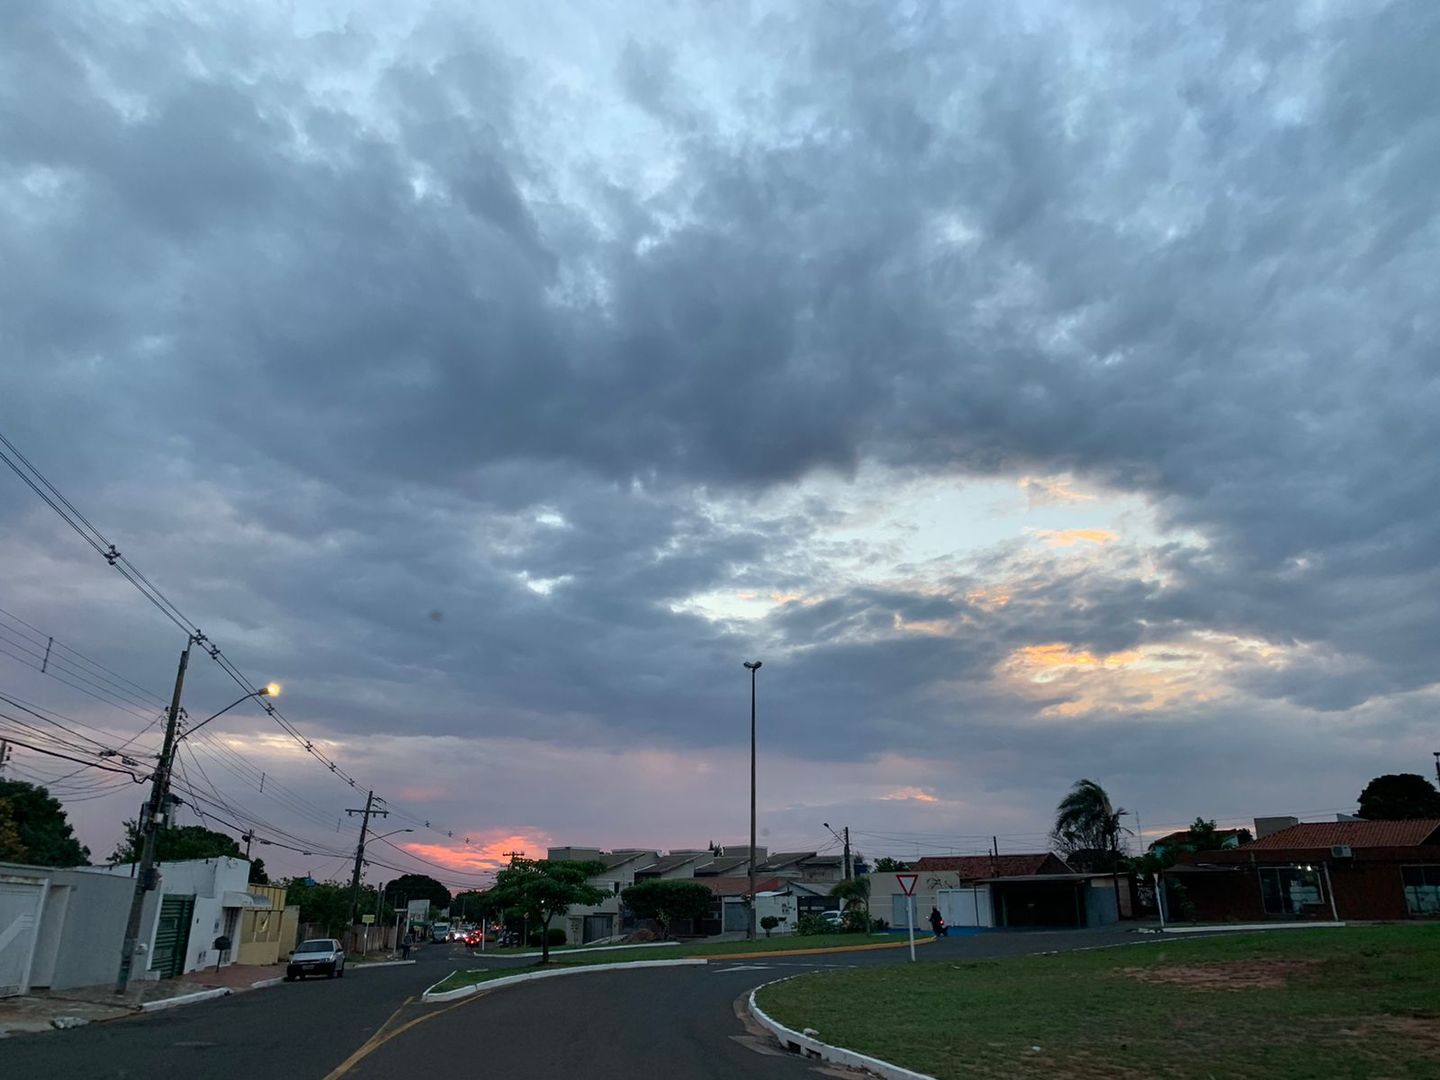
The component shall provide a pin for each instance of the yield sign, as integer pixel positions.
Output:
(907, 883)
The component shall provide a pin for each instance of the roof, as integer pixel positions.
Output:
(1355, 834)
(988, 866)
(786, 858)
(739, 886)
(1183, 837)
(1041, 879)
(672, 862)
(620, 858)
(723, 865)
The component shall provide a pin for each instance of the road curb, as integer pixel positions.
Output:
(433, 996)
(806, 1046)
(186, 999)
(367, 965)
(819, 951)
(276, 981)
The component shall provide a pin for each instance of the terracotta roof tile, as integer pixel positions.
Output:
(1357, 834)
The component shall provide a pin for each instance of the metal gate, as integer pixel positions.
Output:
(597, 927)
(172, 936)
(21, 901)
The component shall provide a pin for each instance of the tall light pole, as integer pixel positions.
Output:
(753, 666)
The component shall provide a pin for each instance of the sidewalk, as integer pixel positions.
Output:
(79, 1005)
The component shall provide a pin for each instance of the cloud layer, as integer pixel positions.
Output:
(1042, 390)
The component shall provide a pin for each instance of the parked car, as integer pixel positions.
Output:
(834, 918)
(316, 956)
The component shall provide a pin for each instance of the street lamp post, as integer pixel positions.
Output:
(753, 666)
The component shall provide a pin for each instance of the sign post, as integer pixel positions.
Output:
(907, 886)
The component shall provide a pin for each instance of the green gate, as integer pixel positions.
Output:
(172, 936)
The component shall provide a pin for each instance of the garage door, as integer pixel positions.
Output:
(21, 900)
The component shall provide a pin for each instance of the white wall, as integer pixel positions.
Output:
(208, 880)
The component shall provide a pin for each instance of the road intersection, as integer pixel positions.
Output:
(675, 1022)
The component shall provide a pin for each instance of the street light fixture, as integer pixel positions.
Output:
(752, 666)
(268, 690)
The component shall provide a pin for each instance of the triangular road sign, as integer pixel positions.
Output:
(907, 883)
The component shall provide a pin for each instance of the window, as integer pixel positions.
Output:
(1287, 889)
(1422, 889)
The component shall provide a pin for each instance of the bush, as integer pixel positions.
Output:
(812, 924)
(855, 921)
(640, 937)
(768, 923)
(557, 937)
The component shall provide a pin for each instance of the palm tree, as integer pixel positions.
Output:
(1086, 821)
(856, 889)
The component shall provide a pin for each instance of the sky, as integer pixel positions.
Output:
(1040, 390)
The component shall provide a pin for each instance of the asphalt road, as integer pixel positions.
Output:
(673, 1022)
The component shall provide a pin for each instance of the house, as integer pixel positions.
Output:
(593, 922)
(678, 864)
(61, 928)
(1330, 870)
(1225, 838)
(1024, 890)
(201, 902)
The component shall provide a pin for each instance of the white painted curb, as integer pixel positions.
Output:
(814, 1048)
(1231, 928)
(267, 982)
(368, 964)
(185, 999)
(590, 950)
(433, 995)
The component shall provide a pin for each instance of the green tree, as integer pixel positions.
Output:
(856, 891)
(42, 832)
(1087, 827)
(667, 900)
(176, 844)
(11, 849)
(417, 887)
(322, 903)
(258, 874)
(886, 865)
(1399, 796)
(543, 888)
(768, 923)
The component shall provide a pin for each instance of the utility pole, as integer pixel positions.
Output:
(849, 870)
(4, 754)
(1437, 763)
(753, 666)
(366, 815)
(150, 827)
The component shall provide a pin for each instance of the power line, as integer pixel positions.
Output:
(71, 515)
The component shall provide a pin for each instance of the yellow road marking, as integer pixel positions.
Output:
(381, 1036)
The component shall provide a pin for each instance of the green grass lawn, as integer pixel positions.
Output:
(1362, 1002)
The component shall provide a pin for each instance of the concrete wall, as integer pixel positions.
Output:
(82, 926)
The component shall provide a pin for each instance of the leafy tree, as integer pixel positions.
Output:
(1204, 836)
(323, 903)
(258, 874)
(1087, 827)
(417, 887)
(1399, 796)
(665, 901)
(176, 844)
(857, 892)
(886, 865)
(768, 923)
(543, 888)
(41, 832)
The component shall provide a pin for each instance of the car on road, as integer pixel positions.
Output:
(316, 956)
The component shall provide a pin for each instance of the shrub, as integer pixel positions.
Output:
(768, 923)
(557, 937)
(812, 924)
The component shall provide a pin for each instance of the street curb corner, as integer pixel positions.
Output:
(433, 996)
(809, 1047)
(186, 999)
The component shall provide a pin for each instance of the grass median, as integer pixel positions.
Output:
(1285, 1005)
(669, 950)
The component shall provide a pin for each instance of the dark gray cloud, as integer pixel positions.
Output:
(342, 327)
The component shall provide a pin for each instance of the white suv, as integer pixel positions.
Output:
(316, 956)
